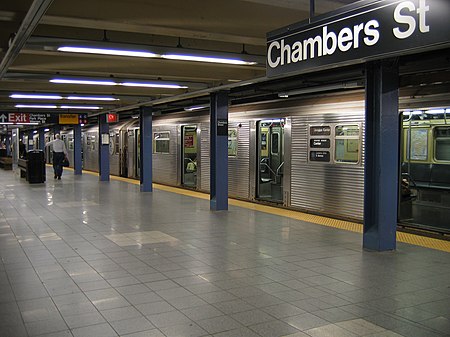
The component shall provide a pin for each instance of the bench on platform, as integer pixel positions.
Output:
(6, 163)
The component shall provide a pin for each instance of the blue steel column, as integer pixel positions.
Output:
(56, 130)
(41, 139)
(77, 163)
(103, 149)
(8, 144)
(219, 152)
(145, 122)
(30, 137)
(381, 169)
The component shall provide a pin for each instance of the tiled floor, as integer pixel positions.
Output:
(83, 258)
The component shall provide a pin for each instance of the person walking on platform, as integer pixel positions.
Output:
(59, 154)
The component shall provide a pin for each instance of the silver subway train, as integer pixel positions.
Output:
(306, 155)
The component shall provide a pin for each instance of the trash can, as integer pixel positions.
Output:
(35, 166)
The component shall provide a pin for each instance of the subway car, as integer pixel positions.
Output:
(304, 154)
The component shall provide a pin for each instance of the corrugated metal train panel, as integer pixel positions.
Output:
(336, 189)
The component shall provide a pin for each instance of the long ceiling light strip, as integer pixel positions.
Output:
(37, 106)
(125, 84)
(86, 82)
(101, 51)
(92, 98)
(33, 96)
(59, 97)
(153, 85)
(145, 54)
(206, 59)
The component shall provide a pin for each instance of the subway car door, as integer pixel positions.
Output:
(124, 153)
(137, 138)
(270, 160)
(189, 156)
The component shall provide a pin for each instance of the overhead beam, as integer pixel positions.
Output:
(149, 29)
(29, 23)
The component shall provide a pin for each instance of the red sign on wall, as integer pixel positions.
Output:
(113, 118)
(19, 118)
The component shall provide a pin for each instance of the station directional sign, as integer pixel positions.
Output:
(34, 118)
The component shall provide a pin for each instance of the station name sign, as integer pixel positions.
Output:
(366, 31)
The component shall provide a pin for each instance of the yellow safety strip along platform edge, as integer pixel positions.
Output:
(412, 239)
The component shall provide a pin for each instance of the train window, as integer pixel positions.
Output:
(161, 142)
(347, 144)
(442, 143)
(417, 144)
(275, 139)
(232, 142)
(117, 144)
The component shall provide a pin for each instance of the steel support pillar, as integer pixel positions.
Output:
(30, 145)
(77, 162)
(381, 171)
(219, 151)
(103, 147)
(145, 122)
(41, 139)
(8, 143)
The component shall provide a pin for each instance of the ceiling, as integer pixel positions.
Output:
(232, 28)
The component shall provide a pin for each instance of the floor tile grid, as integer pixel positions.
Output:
(230, 270)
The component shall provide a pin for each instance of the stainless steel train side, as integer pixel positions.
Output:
(181, 153)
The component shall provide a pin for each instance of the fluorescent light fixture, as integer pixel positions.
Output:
(87, 82)
(102, 51)
(153, 85)
(194, 108)
(7, 123)
(164, 53)
(206, 59)
(81, 107)
(135, 116)
(82, 124)
(125, 84)
(35, 96)
(46, 130)
(92, 98)
(35, 131)
(435, 112)
(35, 106)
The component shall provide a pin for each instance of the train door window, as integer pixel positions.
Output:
(232, 142)
(112, 142)
(189, 156)
(137, 138)
(417, 144)
(161, 142)
(117, 143)
(275, 146)
(442, 143)
(270, 160)
(347, 141)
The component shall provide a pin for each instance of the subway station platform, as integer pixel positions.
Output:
(83, 258)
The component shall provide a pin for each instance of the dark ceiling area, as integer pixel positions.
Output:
(110, 55)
